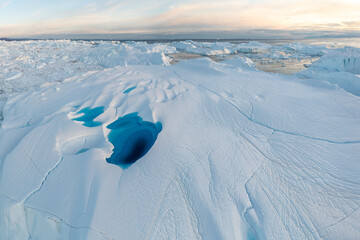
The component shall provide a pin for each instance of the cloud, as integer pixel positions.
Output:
(5, 4)
(227, 15)
(277, 14)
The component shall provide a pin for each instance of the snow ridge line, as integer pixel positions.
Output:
(43, 180)
(262, 124)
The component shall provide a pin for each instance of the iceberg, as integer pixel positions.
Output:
(219, 150)
(340, 67)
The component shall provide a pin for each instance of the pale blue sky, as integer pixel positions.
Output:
(20, 18)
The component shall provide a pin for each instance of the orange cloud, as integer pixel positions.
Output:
(115, 17)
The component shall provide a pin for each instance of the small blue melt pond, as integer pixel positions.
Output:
(129, 89)
(132, 138)
(89, 114)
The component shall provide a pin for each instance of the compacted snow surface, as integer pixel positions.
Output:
(108, 140)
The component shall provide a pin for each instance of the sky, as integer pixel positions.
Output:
(221, 18)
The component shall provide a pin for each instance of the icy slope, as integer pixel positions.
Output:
(242, 154)
(340, 67)
(28, 64)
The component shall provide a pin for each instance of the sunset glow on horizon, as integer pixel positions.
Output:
(19, 18)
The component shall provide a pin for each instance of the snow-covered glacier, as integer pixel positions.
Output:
(108, 140)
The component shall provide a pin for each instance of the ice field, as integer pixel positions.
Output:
(179, 140)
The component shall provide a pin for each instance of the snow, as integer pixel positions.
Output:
(31, 63)
(312, 50)
(239, 153)
(241, 62)
(218, 48)
(341, 60)
(339, 67)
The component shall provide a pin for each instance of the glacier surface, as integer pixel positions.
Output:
(232, 152)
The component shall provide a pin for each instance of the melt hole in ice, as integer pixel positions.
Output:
(132, 138)
(89, 114)
(129, 89)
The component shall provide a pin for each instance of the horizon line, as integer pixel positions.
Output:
(256, 34)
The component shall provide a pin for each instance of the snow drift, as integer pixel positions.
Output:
(240, 154)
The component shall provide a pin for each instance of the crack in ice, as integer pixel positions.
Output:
(43, 180)
(59, 219)
(263, 124)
